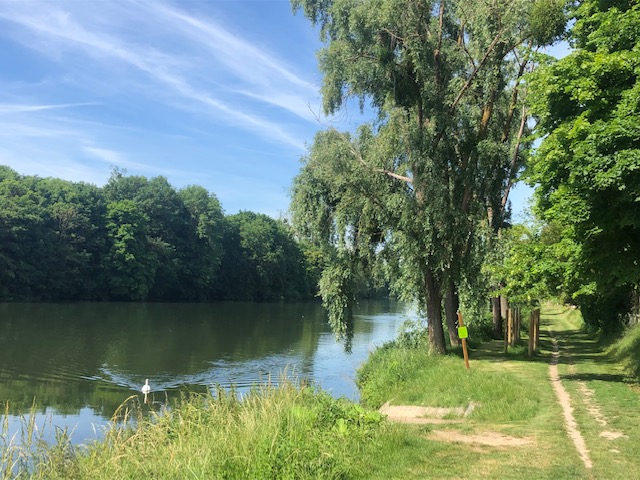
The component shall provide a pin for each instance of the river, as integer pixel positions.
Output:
(78, 362)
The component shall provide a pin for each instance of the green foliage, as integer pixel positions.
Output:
(412, 334)
(528, 268)
(548, 21)
(587, 166)
(262, 261)
(130, 263)
(203, 254)
(627, 351)
(140, 239)
(403, 197)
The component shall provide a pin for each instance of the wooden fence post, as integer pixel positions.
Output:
(464, 342)
(532, 331)
(537, 338)
(506, 333)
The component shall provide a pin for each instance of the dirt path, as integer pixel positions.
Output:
(565, 402)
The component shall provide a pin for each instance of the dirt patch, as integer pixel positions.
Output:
(565, 402)
(588, 397)
(592, 407)
(612, 435)
(419, 414)
(492, 439)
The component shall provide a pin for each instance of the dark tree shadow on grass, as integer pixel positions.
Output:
(603, 377)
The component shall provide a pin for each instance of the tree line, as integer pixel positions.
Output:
(137, 239)
(584, 243)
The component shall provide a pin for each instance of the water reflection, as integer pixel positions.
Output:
(74, 359)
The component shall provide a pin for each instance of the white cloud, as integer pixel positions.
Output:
(25, 108)
(271, 79)
(118, 159)
(166, 45)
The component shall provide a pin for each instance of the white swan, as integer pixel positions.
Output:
(146, 388)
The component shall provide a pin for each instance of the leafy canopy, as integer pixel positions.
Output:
(403, 196)
(588, 164)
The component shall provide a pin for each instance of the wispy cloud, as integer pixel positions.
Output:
(74, 28)
(25, 108)
(270, 78)
(118, 159)
(195, 91)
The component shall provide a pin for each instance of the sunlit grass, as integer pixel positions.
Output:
(627, 351)
(412, 376)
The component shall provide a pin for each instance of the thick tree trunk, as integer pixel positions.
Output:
(497, 317)
(504, 307)
(451, 305)
(434, 315)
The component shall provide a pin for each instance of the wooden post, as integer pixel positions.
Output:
(532, 331)
(506, 335)
(465, 353)
(537, 338)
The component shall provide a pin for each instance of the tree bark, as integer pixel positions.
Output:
(504, 306)
(433, 296)
(451, 305)
(497, 317)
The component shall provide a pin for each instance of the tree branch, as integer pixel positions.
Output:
(514, 161)
(359, 157)
(514, 100)
(476, 70)
(394, 175)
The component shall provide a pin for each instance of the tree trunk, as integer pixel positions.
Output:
(434, 315)
(504, 306)
(451, 305)
(497, 317)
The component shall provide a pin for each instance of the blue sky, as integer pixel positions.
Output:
(218, 93)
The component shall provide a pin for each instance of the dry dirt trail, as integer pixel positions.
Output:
(565, 402)
(588, 398)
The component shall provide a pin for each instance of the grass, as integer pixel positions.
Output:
(289, 431)
(603, 381)
(515, 398)
(411, 376)
(626, 351)
(297, 431)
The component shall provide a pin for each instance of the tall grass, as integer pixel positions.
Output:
(29, 448)
(288, 431)
(627, 351)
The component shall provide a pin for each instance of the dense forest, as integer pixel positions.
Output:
(141, 239)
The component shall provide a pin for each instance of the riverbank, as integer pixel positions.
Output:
(516, 428)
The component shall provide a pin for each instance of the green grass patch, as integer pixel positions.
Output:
(627, 351)
(411, 376)
(599, 374)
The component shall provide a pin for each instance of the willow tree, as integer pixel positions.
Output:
(407, 191)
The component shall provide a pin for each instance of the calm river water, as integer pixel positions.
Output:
(79, 362)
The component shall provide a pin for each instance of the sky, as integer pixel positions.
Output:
(218, 93)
